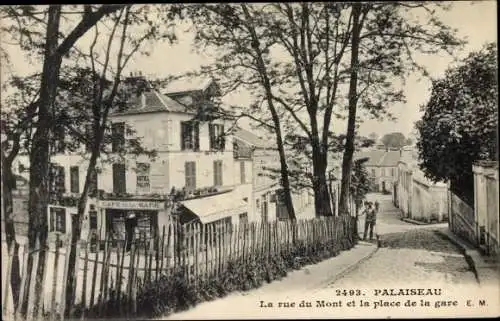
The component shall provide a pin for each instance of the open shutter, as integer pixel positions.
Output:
(183, 136)
(211, 133)
(222, 138)
(196, 136)
(119, 183)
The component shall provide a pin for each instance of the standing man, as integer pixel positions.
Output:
(370, 219)
(130, 224)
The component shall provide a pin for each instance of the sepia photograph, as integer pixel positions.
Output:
(310, 160)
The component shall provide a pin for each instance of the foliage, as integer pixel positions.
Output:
(459, 125)
(292, 59)
(360, 181)
(394, 140)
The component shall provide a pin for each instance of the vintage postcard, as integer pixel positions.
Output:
(278, 160)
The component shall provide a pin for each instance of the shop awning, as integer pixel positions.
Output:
(213, 208)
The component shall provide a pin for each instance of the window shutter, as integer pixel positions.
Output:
(74, 179)
(193, 174)
(222, 139)
(211, 133)
(216, 168)
(93, 183)
(119, 182)
(183, 136)
(196, 136)
(242, 172)
(221, 182)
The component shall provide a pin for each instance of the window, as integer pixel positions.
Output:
(57, 220)
(190, 135)
(190, 172)
(143, 184)
(93, 183)
(117, 136)
(218, 173)
(243, 218)
(119, 182)
(217, 139)
(93, 220)
(74, 179)
(392, 172)
(59, 143)
(383, 172)
(242, 173)
(58, 179)
(373, 172)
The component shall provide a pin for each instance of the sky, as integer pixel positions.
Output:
(476, 22)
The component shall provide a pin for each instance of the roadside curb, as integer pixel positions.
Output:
(348, 268)
(467, 253)
(415, 222)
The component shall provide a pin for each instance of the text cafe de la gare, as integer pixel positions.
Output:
(118, 217)
(113, 219)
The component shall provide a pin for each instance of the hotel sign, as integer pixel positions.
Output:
(132, 205)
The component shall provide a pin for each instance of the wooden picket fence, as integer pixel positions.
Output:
(114, 272)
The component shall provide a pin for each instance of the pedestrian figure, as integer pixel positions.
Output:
(370, 219)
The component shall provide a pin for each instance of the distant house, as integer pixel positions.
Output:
(382, 166)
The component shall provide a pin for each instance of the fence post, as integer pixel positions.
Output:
(7, 281)
(65, 277)
(31, 294)
(84, 282)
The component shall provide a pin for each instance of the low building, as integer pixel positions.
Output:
(382, 166)
(418, 197)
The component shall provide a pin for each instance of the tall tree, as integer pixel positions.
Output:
(394, 140)
(53, 52)
(288, 56)
(384, 42)
(107, 96)
(17, 124)
(460, 122)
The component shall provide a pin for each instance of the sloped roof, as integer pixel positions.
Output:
(188, 85)
(391, 158)
(250, 138)
(152, 101)
(374, 156)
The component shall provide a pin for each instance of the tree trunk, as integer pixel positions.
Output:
(351, 123)
(8, 181)
(266, 83)
(39, 156)
(76, 231)
(320, 185)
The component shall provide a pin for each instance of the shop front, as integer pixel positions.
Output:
(124, 220)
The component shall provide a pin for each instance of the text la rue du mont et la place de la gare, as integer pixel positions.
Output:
(379, 299)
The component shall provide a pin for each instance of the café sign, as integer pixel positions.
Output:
(132, 205)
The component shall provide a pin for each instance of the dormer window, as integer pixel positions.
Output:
(190, 135)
